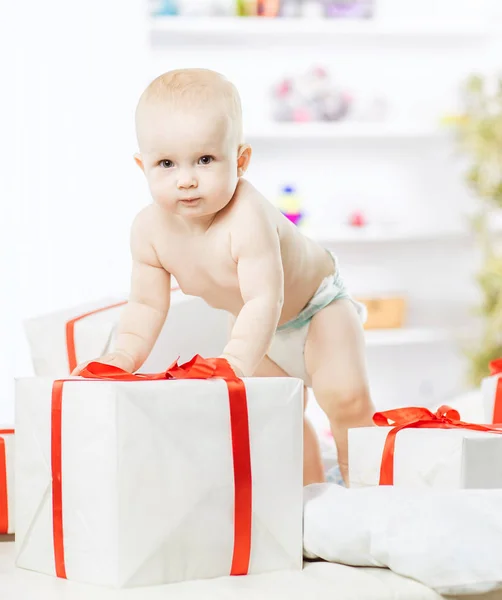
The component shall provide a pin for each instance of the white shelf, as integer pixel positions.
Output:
(409, 336)
(373, 235)
(165, 29)
(389, 235)
(344, 131)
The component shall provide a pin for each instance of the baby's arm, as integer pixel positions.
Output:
(143, 316)
(256, 250)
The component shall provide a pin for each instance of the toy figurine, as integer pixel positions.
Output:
(290, 205)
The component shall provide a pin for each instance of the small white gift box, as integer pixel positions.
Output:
(425, 450)
(61, 340)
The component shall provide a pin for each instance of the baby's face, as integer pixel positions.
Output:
(189, 159)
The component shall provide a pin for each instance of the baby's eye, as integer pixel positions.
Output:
(205, 160)
(166, 164)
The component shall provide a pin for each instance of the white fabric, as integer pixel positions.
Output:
(192, 327)
(147, 478)
(489, 389)
(9, 441)
(318, 581)
(449, 540)
(436, 458)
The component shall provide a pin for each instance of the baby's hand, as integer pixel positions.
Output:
(116, 359)
(235, 369)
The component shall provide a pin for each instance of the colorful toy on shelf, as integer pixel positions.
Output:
(247, 8)
(163, 8)
(384, 311)
(357, 219)
(268, 8)
(311, 96)
(263, 8)
(289, 203)
(355, 9)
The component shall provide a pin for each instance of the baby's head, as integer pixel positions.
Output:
(189, 130)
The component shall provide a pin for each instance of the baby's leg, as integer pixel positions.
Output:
(313, 471)
(335, 360)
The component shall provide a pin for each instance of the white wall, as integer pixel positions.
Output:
(73, 186)
(72, 189)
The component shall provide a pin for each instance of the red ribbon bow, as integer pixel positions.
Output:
(197, 368)
(496, 369)
(417, 417)
(4, 504)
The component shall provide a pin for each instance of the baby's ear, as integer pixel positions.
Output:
(243, 159)
(138, 161)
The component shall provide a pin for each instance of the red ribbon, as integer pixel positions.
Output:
(197, 368)
(4, 503)
(402, 418)
(496, 369)
(70, 331)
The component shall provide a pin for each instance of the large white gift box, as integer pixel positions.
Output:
(7, 449)
(491, 389)
(61, 340)
(134, 483)
(427, 458)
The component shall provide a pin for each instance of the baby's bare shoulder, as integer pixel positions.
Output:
(145, 220)
(249, 206)
(150, 222)
(254, 225)
(143, 234)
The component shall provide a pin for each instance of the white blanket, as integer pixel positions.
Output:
(451, 541)
(318, 581)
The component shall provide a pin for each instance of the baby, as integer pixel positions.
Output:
(223, 241)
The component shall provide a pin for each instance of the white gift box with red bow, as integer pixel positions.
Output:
(143, 482)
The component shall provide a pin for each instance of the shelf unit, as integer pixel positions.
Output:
(193, 30)
(408, 336)
(220, 37)
(290, 132)
(375, 235)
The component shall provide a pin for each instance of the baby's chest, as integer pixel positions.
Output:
(201, 268)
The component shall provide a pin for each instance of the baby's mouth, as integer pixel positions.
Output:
(192, 200)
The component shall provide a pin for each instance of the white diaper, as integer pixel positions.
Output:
(288, 345)
(287, 351)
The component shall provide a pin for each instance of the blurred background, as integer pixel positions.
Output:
(376, 127)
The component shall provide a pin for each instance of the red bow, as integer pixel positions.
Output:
(197, 368)
(4, 504)
(444, 418)
(496, 369)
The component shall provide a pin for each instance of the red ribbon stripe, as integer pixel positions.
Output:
(4, 492)
(496, 369)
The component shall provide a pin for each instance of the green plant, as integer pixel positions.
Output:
(479, 130)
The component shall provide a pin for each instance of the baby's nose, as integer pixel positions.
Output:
(186, 180)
